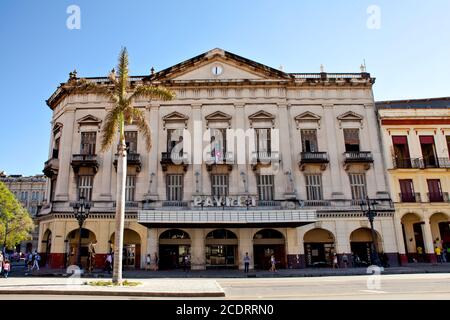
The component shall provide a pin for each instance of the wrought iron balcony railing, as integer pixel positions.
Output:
(409, 197)
(358, 156)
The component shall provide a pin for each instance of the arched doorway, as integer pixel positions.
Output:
(87, 236)
(173, 245)
(319, 248)
(131, 252)
(361, 245)
(268, 242)
(46, 248)
(440, 228)
(221, 249)
(413, 237)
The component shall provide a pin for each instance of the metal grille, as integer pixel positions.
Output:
(174, 183)
(85, 187)
(88, 140)
(219, 184)
(358, 185)
(265, 187)
(314, 186)
(130, 187)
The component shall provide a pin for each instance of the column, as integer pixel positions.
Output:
(293, 249)
(152, 241)
(241, 153)
(196, 151)
(285, 144)
(428, 240)
(335, 158)
(198, 258)
(400, 242)
(65, 154)
(342, 243)
(153, 155)
(245, 245)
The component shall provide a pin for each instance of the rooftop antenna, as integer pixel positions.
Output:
(363, 66)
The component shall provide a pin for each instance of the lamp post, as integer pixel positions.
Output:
(81, 212)
(368, 208)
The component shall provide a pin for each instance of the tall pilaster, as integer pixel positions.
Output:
(65, 154)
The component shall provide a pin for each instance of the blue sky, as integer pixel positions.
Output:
(408, 54)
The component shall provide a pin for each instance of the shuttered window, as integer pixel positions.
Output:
(130, 187)
(263, 143)
(314, 186)
(219, 184)
(309, 141)
(131, 141)
(85, 187)
(358, 185)
(88, 140)
(218, 143)
(351, 138)
(174, 183)
(265, 187)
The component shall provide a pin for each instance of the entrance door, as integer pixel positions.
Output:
(129, 256)
(364, 251)
(221, 256)
(171, 256)
(319, 254)
(263, 253)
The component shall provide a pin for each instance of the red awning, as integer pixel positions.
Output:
(399, 139)
(426, 139)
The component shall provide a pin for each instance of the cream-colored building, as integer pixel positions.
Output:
(30, 191)
(307, 151)
(416, 140)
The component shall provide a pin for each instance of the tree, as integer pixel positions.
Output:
(16, 223)
(121, 94)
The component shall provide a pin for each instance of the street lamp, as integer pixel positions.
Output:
(81, 212)
(368, 208)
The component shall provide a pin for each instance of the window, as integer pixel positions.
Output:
(358, 185)
(314, 186)
(131, 141)
(219, 184)
(56, 149)
(428, 151)
(24, 196)
(85, 187)
(263, 143)
(407, 190)
(52, 189)
(88, 140)
(130, 187)
(265, 187)
(434, 190)
(309, 140)
(351, 138)
(174, 183)
(218, 143)
(401, 152)
(174, 136)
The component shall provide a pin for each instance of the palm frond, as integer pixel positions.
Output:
(152, 92)
(122, 72)
(143, 127)
(110, 128)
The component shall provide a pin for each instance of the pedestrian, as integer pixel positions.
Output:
(335, 261)
(155, 262)
(438, 252)
(345, 260)
(246, 262)
(444, 254)
(6, 268)
(419, 254)
(30, 260)
(272, 264)
(108, 262)
(148, 262)
(36, 259)
(1, 262)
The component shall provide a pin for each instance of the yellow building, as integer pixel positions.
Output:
(416, 142)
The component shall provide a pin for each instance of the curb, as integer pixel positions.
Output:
(114, 293)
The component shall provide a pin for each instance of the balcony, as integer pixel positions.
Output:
(409, 197)
(133, 159)
(51, 167)
(421, 163)
(358, 157)
(128, 204)
(84, 160)
(320, 158)
(264, 158)
(438, 197)
(227, 159)
(175, 159)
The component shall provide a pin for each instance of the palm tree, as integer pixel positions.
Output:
(122, 95)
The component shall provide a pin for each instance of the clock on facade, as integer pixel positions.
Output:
(217, 70)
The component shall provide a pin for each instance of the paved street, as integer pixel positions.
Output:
(404, 287)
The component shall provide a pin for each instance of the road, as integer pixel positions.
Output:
(387, 287)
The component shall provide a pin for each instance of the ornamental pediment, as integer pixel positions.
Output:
(349, 117)
(218, 116)
(89, 120)
(307, 117)
(261, 116)
(175, 117)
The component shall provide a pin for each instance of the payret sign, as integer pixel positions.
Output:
(221, 201)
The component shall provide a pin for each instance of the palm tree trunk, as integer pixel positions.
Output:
(120, 210)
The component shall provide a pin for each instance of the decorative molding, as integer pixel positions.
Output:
(175, 117)
(57, 128)
(350, 116)
(218, 116)
(307, 117)
(89, 120)
(261, 116)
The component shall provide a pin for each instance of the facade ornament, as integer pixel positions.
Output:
(73, 75)
(362, 68)
(322, 68)
(152, 71)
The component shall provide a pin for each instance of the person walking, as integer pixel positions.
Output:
(246, 262)
(335, 261)
(438, 252)
(1, 262)
(36, 259)
(272, 264)
(148, 262)
(6, 268)
(155, 262)
(108, 263)
(345, 260)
